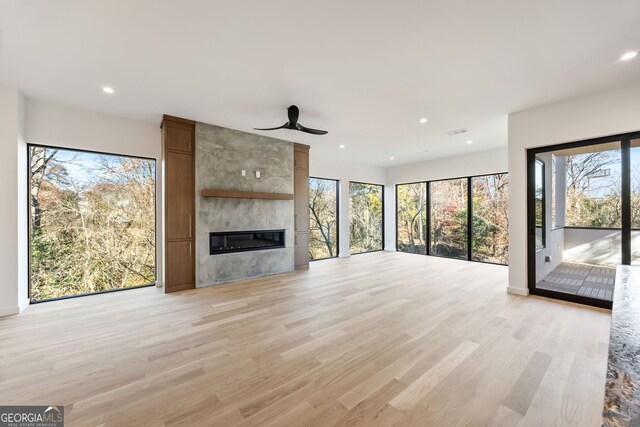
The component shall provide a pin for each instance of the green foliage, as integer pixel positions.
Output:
(593, 199)
(599, 212)
(449, 218)
(365, 217)
(412, 218)
(490, 220)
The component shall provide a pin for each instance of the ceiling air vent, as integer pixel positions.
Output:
(456, 131)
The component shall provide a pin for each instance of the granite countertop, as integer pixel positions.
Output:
(622, 391)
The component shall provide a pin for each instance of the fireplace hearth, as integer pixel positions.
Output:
(244, 241)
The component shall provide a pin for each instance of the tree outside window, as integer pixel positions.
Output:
(92, 222)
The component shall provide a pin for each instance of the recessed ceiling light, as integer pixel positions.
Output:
(391, 158)
(108, 90)
(341, 145)
(469, 142)
(423, 120)
(629, 55)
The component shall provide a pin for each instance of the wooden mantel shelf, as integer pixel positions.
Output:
(234, 194)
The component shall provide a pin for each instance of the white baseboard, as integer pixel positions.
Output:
(517, 291)
(9, 311)
(12, 311)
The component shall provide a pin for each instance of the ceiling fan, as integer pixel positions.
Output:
(293, 124)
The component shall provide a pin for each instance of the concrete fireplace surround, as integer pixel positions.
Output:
(221, 156)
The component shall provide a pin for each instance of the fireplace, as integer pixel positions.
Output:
(243, 241)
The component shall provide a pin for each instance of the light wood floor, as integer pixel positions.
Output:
(375, 339)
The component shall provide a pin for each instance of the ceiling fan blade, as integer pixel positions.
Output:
(309, 130)
(284, 126)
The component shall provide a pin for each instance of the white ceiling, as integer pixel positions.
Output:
(365, 70)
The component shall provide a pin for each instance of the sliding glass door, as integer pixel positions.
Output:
(91, 223)
(584, 210)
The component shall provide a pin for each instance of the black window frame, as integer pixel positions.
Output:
(337, 181)
(156, 162)
(543, 208)
(427, 210)
(625, 229)
(383, 217)
(469, 236)
(469, 217)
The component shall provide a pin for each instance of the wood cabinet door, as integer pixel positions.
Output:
(301, 250)
(301, 159)
(178, 137)
(301, 205)
(180, 195)
(179, 190)
(180, 256)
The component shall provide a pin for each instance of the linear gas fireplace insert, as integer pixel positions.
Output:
(243, 241)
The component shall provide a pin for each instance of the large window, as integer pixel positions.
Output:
(412, 217)
(433, 218)
(490, 218)
(448, 218)
(92, 222)
(323, 220)
(366, 202)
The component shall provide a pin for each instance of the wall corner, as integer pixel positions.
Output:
(517, 291)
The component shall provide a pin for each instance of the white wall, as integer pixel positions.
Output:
(345, 171)
(23, 210)
(554, 249)
(604, 113)
(595, 246)
(53, 124)
(12, 245)
(479, 163)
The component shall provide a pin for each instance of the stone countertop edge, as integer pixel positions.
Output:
(622, 389)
